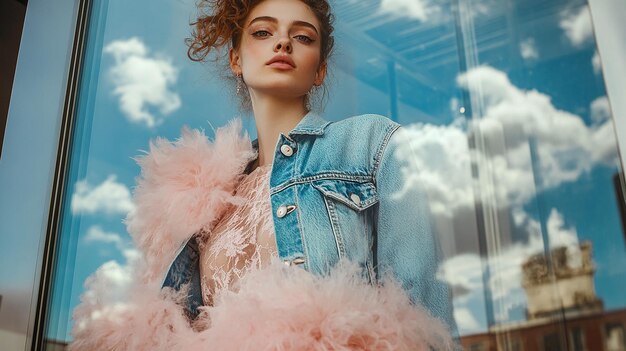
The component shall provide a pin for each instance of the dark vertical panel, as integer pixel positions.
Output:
(11, 22)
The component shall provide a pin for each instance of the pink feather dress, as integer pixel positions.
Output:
(251, 300)
(254, 302)
(242, 239)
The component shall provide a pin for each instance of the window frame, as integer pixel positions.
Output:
(68, 118)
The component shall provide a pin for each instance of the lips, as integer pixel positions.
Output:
(281, 61)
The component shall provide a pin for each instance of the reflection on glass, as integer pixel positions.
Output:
(512, 138)
(615, 337)
(577, 339)
(544, 157)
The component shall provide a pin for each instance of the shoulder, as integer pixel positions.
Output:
(366, 131)
(355, 144)
(365, 123)
(367, 134)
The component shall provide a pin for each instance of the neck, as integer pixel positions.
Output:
(274, 116)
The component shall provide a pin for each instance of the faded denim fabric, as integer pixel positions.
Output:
(341, 193)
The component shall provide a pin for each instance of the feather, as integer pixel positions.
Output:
(183, 187)
(274, 308)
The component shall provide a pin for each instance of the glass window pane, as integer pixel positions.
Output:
(546, 163)
(511, 136)
(138, 84)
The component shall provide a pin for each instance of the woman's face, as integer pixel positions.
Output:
(279, 52)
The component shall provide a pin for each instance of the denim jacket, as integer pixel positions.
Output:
(339, 190)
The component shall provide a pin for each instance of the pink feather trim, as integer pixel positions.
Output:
(183, 187)
(275, 308)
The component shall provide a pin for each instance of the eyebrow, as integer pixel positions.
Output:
(274, 20)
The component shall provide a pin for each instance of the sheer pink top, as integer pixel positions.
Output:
(242, 239)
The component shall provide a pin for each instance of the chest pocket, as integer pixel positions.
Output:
(357, 196)
(346, 204)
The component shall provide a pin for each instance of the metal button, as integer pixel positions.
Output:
(298, 260)
(295, 261)
(286, 150)
(281, 211)
(355, 198)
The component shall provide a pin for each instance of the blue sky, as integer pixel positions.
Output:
(533, 77)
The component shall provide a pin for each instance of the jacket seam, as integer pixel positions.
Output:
(305, 250)
(381, 150)
(323, 176)
(334, 224)
(363, 206)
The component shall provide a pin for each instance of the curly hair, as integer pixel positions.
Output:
(220, 24)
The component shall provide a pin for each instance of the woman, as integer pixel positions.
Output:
(307, 238)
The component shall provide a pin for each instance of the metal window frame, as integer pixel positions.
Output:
(607, 17)
(64, 148)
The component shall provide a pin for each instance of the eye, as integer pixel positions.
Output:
(261, 33)
(304, 39)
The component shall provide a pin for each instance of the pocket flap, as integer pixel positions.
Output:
(355, 195)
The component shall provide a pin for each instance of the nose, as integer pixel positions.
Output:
(283, 44)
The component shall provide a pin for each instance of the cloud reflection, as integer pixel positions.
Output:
(519, 135)
(110, 197)
(142, 81)
(577, 26)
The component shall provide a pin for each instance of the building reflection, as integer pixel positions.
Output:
(563, 310)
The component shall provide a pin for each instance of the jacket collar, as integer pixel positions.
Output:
(311, 124)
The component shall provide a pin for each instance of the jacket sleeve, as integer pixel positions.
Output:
(184, 273)
(406, 245)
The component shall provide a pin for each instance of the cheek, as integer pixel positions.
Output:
(311, 60)
(252, 52)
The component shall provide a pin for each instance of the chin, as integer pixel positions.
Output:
(284, 90)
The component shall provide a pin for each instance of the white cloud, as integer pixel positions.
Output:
(604, 137)
(465, 320)
(109, 284)
(512, 120)
(577, 26)
(504, 269)
(528, 49)
(600, 110)
(142, 81)
(419, 9)
(517, 132)
(97, 234)
(596, 63)
(432, 11)
(437, 158)
(110, 197)
(463, 271)
(511, 124)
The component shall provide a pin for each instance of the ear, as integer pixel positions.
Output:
(320, 75)
(235, 61)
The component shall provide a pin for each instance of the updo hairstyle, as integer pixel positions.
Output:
(220, 26)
